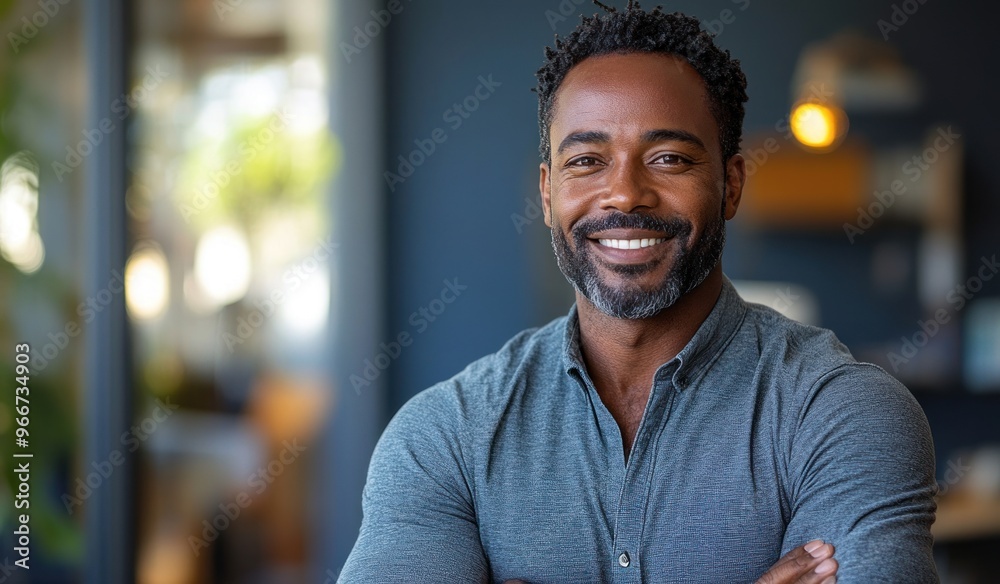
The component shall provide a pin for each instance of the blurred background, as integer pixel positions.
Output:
(237, 235)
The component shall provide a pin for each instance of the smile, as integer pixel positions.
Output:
(630, 243)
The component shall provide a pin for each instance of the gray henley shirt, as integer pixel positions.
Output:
(760, 435)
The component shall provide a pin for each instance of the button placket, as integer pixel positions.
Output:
(638, 476)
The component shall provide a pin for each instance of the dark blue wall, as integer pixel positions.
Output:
(452, 217)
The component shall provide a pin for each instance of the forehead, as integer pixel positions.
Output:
(633, 93)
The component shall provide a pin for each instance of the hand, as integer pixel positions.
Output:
(812, 563)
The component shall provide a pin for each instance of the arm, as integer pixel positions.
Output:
(810, 563)
(861, 476)
(419, 520)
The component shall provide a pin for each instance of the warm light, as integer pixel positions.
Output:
(815, 125)
(147, 283)
(165, 558)
(222, 265)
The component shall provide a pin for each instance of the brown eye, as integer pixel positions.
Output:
(671, 159)
(582, 161)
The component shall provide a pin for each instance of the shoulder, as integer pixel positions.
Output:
(808, 357)
(812, 364)
(484, 387)
(820, 380)
(792, 344)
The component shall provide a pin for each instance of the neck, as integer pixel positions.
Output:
(621, 355)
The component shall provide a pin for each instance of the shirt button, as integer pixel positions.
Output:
(623, 560)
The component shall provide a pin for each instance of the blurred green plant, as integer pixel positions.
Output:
(51, 439)
(53, 425)
(261, 164)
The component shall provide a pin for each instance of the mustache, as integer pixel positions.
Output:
(672, 227)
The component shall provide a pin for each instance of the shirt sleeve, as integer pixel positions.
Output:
(419, 520)
(861, 472)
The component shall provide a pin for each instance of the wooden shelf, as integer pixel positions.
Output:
(962, 517)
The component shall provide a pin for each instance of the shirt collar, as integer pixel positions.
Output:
(695, 358)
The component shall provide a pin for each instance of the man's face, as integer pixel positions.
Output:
(637, 193)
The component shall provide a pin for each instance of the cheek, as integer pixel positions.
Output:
(569, 202)
(703, 208)
(705, 195)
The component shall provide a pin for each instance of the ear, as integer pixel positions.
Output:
(546, 191)
(736, 176)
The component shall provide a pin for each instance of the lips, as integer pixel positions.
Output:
(630, 246)
(631, 243)
(630, 238)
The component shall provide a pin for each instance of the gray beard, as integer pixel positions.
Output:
(694, 261)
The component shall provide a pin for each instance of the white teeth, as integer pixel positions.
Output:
(630, 243)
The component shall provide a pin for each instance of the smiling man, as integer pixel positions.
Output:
(665, 430)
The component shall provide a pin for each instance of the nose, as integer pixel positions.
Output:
(628, 188)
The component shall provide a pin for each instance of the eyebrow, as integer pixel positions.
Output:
(650, 136)
(673, 136)
(588, 137)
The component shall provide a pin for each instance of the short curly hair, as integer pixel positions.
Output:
(631, 31)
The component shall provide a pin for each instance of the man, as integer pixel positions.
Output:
(665, 430)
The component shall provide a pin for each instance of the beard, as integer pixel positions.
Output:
(693, 261)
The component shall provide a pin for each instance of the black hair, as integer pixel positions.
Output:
(631, 31)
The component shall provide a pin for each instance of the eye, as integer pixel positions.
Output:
(671, 159)
(583, 162)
